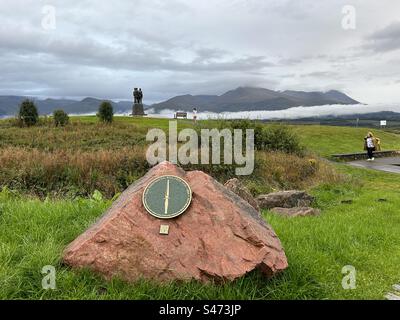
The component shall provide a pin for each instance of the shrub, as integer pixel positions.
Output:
(272, 138)
(28, 114)
(60, 118)
(279, 138)
(289, 171)
(106, 112)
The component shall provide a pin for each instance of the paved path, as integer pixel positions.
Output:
(391, 164)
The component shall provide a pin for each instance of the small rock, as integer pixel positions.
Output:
(285, 199)
(237, 187)
(296, 212)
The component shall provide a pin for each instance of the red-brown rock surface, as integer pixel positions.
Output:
(219, 237)
(237, 187)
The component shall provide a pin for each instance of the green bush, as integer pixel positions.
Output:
(28, 114)
(268, 138)
(244, 124)
(106, 112)
(279, 138)
(271, 138)
(60, 118)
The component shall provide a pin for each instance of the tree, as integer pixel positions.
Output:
(28, 113)
(60, 118)
(106, 112)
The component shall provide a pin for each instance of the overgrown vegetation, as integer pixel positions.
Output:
(83, 157)
(70, 173)
(80, 173)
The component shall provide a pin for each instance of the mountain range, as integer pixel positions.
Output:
(240, 99)
(253, 99)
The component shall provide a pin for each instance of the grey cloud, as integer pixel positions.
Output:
(386, 39)
(88, 52)
(290, 61)
(103, 48)
(320, 74)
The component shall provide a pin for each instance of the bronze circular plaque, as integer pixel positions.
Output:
(167, 197)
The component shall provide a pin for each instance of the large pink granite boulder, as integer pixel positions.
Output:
(220, 237)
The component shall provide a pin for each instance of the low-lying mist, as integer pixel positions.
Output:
(291, 113)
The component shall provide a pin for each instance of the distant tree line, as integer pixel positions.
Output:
(28, 114)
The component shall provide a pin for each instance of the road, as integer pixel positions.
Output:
(390, 164)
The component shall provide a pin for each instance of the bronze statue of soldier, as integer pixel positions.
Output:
(136, 96)
(140, 95)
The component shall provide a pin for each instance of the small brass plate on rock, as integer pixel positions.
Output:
(164, 229)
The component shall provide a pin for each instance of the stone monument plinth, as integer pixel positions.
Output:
(137, 109)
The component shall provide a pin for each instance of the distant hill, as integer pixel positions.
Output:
(252, 99)
(240, 99)
(9, 105)
(367, 120)
(382, 115)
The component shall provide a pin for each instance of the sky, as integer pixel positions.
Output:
(103, 49)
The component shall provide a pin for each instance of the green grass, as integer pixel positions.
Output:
(328, 140)
(84, 133)
(364, 233)
(139, 122)
(87, 133)
(33, 234)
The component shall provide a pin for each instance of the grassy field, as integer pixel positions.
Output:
(128, 132)
(86, 156)
(328, 140)
(363, 233)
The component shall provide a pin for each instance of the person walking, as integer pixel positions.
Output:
(371, 144)
(194, 115)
